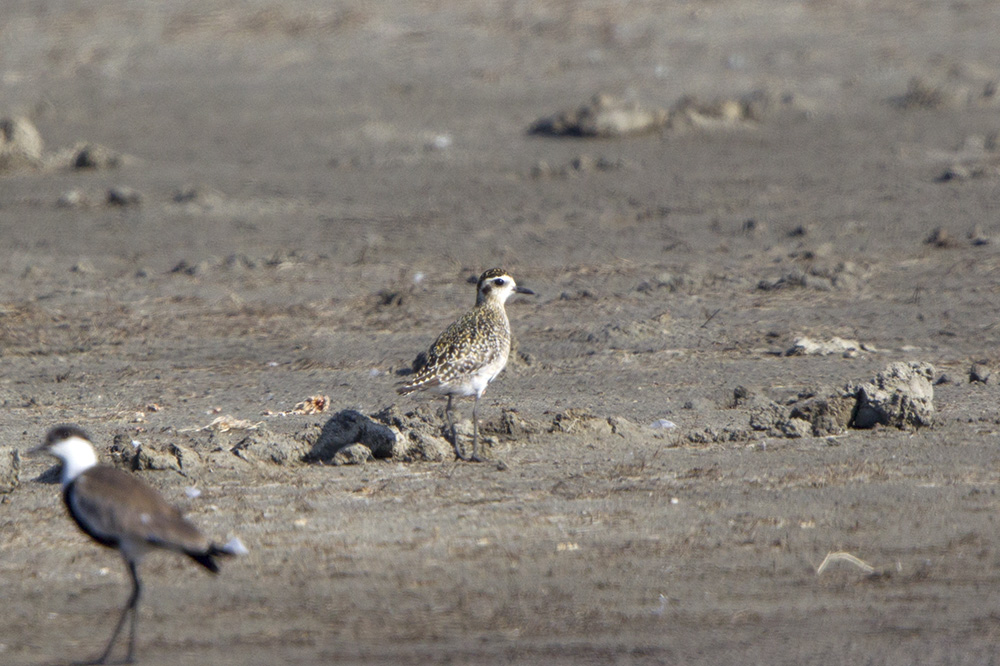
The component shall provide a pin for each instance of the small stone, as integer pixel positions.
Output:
(439, 142)
(72, 198)
(121, 195)
(940, 237)
(954, 172)
(189, 269)
(240, 261)
(185, 194)
(977, 237)
(195, 198)
(83, 266)
(541, 169)
(93, 156)
(922, 94)
(741, 394)
(608, 164)
(980, 372)
(583, 163)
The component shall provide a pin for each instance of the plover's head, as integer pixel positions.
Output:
(496, 285)
(71, 445)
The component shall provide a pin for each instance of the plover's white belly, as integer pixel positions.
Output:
(473, 383)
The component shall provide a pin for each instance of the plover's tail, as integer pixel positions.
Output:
(232, 548)
(419, 381)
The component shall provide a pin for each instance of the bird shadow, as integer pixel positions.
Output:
(418, 364)
(50, 476)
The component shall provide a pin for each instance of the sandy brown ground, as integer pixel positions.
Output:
(330, 154)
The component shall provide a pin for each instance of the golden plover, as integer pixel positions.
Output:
(471, 352)
(120, 511)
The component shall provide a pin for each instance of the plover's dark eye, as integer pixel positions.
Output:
(498, 282)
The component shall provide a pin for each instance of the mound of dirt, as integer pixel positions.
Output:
(900, 396)
(604, 116)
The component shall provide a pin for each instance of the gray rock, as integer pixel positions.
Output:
(743, 395)
(154, 458)
(765, 415)
(72, 198)
(152, 455)
(795, 427)
(121, 195)
(980, 372)
(977, 236)
(263, 446)
(350, 427)
(901, 396)
(514, 426)
(827, 416)
(352, 454)
(773, 420)
(941, 237)
(421, 446)
(122, 451)
(418, 436)
(94, 156)
(579, 421)
(20, 144)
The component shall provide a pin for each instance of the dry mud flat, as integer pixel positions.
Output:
(770, 227)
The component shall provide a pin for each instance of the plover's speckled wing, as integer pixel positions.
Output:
(479, 339)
